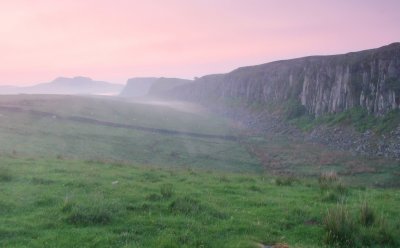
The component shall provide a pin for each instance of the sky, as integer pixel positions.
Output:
(113, 40)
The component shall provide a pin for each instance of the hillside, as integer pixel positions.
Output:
(91, 128)
(175, 175)
(347, 101)
(66, 86)
(322, 84)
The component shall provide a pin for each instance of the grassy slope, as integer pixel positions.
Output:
(357, 118)
(30, 135)
(58, 203)
(72, 201)
(279, 155)
(120, 112)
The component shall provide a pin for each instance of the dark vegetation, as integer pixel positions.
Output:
(358, 118)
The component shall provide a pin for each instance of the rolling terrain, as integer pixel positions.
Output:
(98, 129)
(99, 172)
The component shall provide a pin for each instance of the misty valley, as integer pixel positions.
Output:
(296, 153)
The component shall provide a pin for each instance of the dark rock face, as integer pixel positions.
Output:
(162, 85)
(152, 86)
(137, 87)
(323, 84)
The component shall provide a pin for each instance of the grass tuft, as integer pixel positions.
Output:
(167, 190)
(84, 216)
(384, 234)
(327, 178)
(332, 188)
(186, 205)
(340, 227)
(367, 214)
(67, 205)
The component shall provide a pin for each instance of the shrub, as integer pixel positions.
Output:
(340, 227)
(367, 214)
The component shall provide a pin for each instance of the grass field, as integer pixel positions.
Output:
(59, 203)
(69, 182)
(31, 135)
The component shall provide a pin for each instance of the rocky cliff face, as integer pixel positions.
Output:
(137, 87)
(323, 84)
(162, 85)
(151, 86)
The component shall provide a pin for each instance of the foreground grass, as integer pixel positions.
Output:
(66, 203)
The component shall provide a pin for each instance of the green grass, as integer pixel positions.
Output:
(356, 117)
(69, 203)
(292, 158)
(71, 184)
(115, 110)
(29, 135)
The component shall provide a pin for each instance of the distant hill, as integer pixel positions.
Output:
(67, 86)
(138, 87)
(9, 90)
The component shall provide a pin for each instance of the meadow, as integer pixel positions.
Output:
(67, 183)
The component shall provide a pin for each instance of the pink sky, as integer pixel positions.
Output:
(114, 40)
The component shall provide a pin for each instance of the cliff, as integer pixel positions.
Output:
(323, 84)
(137, 87)
(161, 85)
(151, 86)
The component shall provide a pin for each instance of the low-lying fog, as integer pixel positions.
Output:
(176, 105)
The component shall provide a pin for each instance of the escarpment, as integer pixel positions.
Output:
(323, 84)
